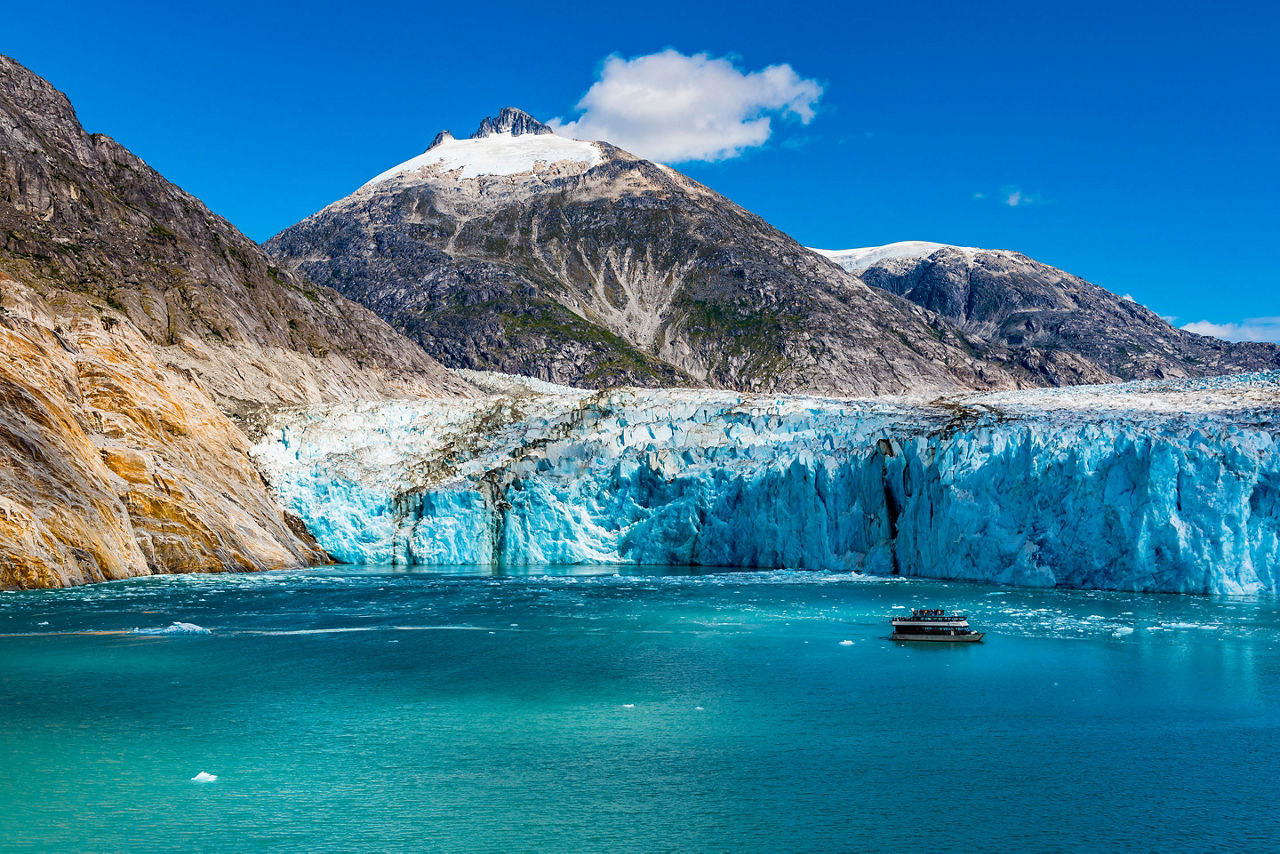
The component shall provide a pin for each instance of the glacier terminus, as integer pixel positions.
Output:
(1169, 486)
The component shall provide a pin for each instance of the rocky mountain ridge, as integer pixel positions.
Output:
(81, 213)
(1018, 302)
(524, 252)
(577, 262)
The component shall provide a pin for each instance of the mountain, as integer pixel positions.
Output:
(142, 338)
(82, 214)
(1011, 300)
(521, 251)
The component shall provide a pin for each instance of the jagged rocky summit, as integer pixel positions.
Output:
(512, 121)
(522, 251)
(142, 340)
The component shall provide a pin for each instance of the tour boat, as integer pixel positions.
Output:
(934, 624)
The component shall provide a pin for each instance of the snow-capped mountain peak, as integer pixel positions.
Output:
(511, 143)
(857, 260)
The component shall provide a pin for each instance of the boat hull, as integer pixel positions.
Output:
(971, 637)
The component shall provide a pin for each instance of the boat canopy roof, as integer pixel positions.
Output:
(932, 615)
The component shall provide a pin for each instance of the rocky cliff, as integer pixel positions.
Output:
(521, 251)
(113, 464)
(141, 338)
(1019, 303)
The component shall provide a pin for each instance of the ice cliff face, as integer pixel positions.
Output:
(1147, 486)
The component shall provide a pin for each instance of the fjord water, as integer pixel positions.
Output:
(384, 709)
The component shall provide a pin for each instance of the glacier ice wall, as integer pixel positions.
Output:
(1144, 486)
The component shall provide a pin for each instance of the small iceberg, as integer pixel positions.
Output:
(205, 777)
(176, 629)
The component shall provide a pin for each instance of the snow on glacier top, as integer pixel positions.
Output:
(856, 260)
(497, 154)
(1242, 395)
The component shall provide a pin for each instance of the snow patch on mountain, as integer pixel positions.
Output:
(495, 154)
(857, 260)
(1168, 486)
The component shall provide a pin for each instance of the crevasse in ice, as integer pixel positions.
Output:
(1144, 486)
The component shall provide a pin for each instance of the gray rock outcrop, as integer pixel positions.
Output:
(1020, 303)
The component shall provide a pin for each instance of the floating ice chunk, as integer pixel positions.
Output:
(846, 643)
(628, 705)
(1122, 631)
(176, 629)
(205, 777)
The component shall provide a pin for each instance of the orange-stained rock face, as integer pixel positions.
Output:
(112, 465)
(141, 338)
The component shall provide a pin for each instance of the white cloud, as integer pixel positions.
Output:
(1250, 329)
(1016, 197)
(1011, 195)
(675, 108)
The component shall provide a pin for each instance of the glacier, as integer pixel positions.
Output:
(1148, 486)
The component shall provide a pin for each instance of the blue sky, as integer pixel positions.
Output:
(1140, 139)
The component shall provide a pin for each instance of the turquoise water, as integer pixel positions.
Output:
(368, 709)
